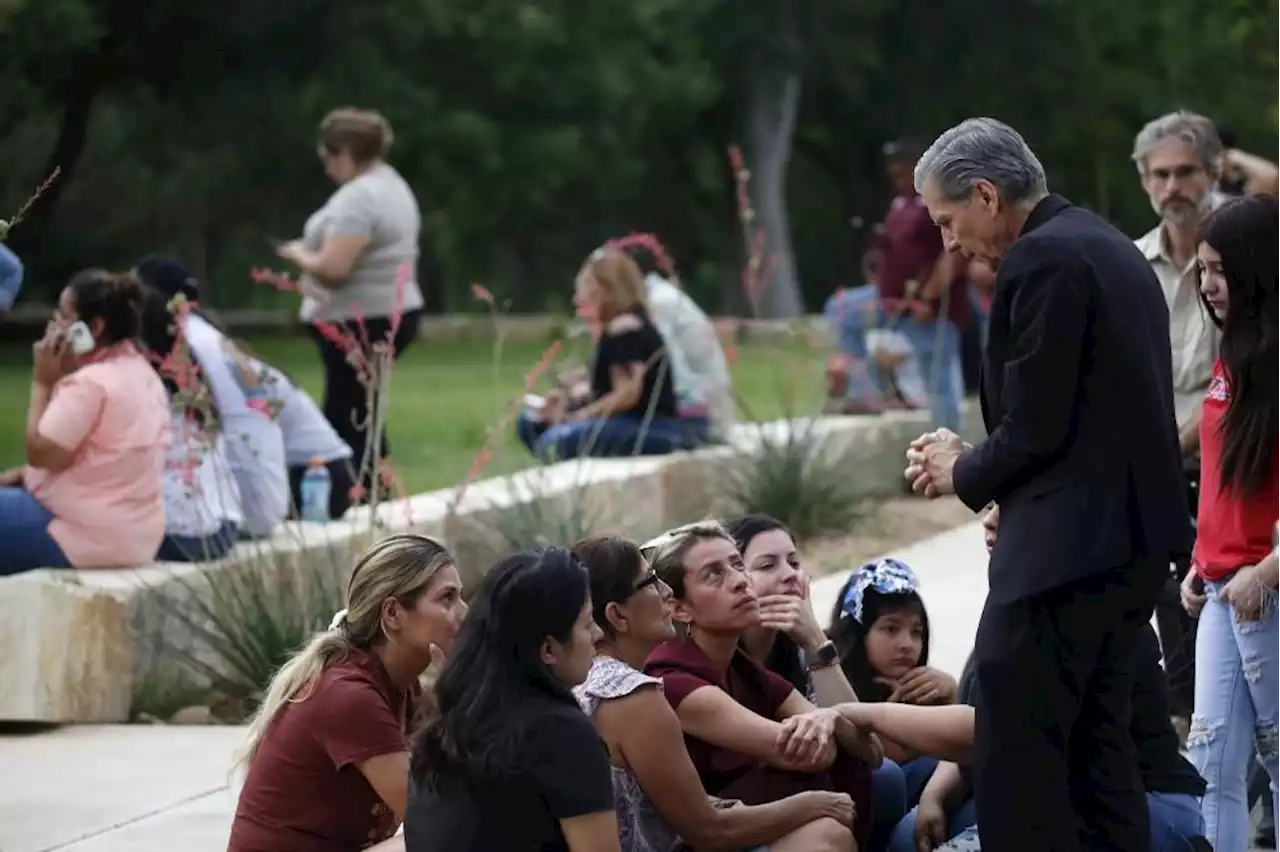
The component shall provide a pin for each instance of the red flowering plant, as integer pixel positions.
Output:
(373, 361)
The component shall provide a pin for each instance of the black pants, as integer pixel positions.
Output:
(1055, 769)
(1177, 629)
(345, 397)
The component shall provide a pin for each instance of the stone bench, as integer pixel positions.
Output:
(77, 645)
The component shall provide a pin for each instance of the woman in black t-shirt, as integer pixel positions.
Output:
(506, 759)
(633, 401)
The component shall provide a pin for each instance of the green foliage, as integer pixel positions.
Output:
(798, 479)
(240, 623)
(533, 130)
(540, 519)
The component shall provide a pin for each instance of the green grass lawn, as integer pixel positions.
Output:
(446, 396)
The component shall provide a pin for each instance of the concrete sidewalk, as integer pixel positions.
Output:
(143, 788)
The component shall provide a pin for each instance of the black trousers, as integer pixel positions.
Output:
(346, 400)
(1055, 769)
(1177, 629)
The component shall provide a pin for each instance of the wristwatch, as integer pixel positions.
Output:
(823, 657)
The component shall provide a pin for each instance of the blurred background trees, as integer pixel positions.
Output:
(532, 131)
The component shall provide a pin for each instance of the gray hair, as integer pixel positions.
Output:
(979, 149)
(1196, 130)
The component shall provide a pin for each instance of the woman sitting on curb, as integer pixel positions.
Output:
(328, 749)
(97, 433)
(751, 734)
(658, 795)
(633, 399)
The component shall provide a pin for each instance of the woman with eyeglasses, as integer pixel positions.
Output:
(660, 800)
(751, 734)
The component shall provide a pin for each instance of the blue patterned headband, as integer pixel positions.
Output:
(886, 576)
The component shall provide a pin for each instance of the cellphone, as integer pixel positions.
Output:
(532, 400)
(79, 338)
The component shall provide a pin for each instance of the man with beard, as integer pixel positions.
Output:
(1179, 158)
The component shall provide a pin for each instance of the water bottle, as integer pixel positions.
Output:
(315, 492)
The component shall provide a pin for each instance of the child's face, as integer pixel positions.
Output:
(895, 643)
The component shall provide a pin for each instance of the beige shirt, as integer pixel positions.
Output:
(1192, 334)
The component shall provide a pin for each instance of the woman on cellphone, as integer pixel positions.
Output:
(1235, 559)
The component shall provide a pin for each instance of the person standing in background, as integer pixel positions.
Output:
(1179, 159)
(353, 254)
(915, 269)
(10, 279)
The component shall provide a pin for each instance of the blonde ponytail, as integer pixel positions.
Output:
(399, 566)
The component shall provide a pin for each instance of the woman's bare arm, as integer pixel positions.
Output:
(945, 732)
(859, 742)
(388, 775)
(648, 736)
(596, 832)
(711, 714)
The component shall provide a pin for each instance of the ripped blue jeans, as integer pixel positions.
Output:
(1235, 714)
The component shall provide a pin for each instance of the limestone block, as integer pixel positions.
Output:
(65, 651)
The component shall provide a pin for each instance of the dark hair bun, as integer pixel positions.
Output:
(114, 297)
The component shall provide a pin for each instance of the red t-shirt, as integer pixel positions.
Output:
(304, 792)
(912, 245)
(1232, 531)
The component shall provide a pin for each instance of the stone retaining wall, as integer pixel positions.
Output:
(75, 646)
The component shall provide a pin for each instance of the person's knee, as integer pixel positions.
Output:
(821, 835)
(888, 793)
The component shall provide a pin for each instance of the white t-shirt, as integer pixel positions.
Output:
(254, 441)
(200, 491)
(307, 432)
(702, 381)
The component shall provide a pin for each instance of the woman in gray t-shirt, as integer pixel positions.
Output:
(359, 255)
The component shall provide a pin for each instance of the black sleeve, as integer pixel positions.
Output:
(572, 765)
(629, 347)
(1048, 321)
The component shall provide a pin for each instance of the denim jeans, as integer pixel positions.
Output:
(929, 376)
(207, 548)
(25, 543)
(611, 436)
(1175, 819)
(1235, 713)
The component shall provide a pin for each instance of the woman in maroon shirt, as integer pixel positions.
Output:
(328, 754)
(1234, 559)
(750, 734)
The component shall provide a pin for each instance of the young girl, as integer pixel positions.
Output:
(1235, 557)
(881, 632)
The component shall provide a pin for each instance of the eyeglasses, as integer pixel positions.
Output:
(1179, 172)
(650, 579)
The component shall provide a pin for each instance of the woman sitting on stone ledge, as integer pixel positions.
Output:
(507, 760)
(224, 381)
(633, 398)
(658, 794)
(97, 430)
(751, 734)
(328, 752)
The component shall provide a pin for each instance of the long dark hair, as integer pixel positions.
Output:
(1243, 233)
(850, 635)
(784, 656)
(478, 728)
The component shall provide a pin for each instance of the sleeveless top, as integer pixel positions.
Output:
(640, 827)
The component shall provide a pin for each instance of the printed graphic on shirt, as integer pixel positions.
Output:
(1218, 387)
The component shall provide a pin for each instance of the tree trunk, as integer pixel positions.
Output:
(78, 97)
(774, 100)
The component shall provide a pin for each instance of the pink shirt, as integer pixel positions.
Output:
(108, 506)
